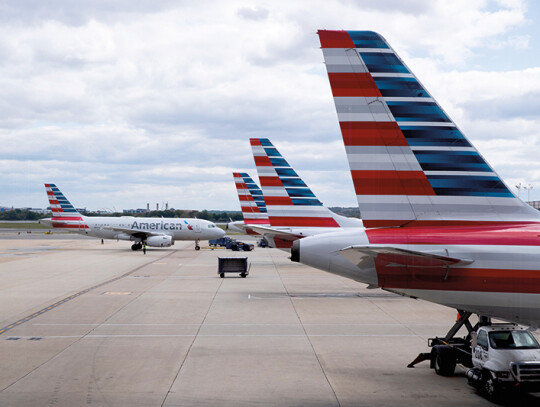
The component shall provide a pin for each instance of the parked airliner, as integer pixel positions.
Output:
(441, 225)
(154, 232)
(293, 209)
(251, 203)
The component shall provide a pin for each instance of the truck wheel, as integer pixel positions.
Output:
(490, 387)
(445, 361)
(222, 275)
(243, 275)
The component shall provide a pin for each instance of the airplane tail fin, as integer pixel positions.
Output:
(65, 216)
(60, 206)
(290, 202)
(409, 161)
(251, 200)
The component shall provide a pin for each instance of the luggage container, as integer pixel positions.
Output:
(237, 265)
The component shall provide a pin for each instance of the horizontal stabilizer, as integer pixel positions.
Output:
(399, 257)
(270, 232)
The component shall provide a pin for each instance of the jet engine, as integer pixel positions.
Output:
(159, 241)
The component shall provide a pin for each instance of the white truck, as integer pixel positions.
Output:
(499, 357)
(504, 357)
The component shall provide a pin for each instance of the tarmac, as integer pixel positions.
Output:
(85, 323)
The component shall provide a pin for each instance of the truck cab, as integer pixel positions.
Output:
(504, 357)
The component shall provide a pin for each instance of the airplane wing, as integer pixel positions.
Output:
(399, 257)
(135, 232)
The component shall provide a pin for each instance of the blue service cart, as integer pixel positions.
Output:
(237, 265)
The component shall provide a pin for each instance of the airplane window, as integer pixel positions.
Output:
(512, 340)
(483, 340)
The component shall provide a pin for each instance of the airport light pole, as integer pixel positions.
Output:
(528, 187)
(519, 186)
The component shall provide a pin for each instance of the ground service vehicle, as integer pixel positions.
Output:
(500, 357)
(504, 357)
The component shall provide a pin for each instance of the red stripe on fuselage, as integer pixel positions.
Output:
(386, 223)
(64, 218)
(510, 234)
(66, 226)
(458, 279)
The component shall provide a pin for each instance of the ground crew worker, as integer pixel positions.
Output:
(144, 248)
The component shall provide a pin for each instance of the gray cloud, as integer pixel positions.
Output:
(255, 13)
(156, 100)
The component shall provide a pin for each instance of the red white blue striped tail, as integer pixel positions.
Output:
(409, 161)
(251, 200)
(289, 201)
(64, 214)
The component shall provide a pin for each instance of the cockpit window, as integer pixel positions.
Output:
(512, 340)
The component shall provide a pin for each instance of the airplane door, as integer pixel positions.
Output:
(197, 228)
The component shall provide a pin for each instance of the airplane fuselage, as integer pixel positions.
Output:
(501, 281)
(104, 227)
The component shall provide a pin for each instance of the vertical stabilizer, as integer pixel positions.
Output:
(64, 214)
(289, 201)
(251, 200)
(408, 160)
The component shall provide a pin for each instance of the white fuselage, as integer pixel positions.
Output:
(107, 227)
(478, 288)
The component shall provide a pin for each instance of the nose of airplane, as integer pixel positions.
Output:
(219, 232)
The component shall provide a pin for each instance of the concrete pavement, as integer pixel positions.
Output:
(162, 329)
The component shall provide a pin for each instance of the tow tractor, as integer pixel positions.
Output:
(499, 357)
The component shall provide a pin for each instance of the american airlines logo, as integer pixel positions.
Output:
(156, 226)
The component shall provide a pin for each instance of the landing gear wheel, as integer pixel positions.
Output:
(136, 246)
(445, 360)
(197, 247)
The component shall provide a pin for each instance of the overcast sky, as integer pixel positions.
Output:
(126, 102)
